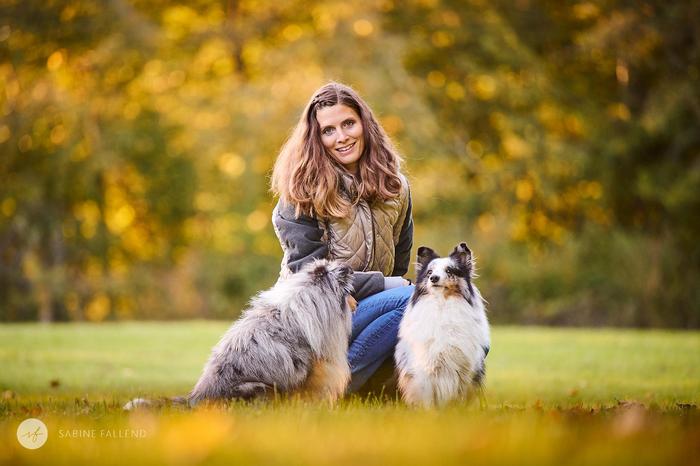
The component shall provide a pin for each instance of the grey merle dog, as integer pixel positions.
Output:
(292, 338)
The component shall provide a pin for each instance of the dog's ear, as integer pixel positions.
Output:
(343, 273)
(462, 255)
(320, 271)
(424, 256)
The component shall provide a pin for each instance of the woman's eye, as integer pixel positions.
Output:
(349, 123)
(327, 131)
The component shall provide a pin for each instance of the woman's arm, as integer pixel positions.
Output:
(302, 241)
(402, 250)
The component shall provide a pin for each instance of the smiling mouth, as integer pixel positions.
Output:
(346, 149)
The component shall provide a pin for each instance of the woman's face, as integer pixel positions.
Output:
(341, 134)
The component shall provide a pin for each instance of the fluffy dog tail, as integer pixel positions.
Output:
(250, 390)
(241, 390)
(244, 390)
(137, 403)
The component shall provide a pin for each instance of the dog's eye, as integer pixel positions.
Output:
(429, 272)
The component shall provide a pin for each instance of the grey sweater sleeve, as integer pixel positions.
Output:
(403, 247)
(302, 239)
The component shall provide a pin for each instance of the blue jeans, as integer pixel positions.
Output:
(375, 327)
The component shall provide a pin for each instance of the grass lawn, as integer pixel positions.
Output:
(554, 396)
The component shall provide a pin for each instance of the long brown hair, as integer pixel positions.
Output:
(309, 178)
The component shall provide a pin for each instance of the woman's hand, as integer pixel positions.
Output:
(395, 282)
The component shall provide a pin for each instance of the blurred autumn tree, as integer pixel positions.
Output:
(560, 139)
(573, 122)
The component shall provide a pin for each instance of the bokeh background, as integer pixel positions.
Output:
(560, 139)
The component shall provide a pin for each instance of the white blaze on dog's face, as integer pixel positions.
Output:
(441, 274)
(448, 276)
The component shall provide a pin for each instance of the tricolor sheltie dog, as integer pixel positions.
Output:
(444, 335)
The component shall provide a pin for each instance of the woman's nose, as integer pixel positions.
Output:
(341, 135)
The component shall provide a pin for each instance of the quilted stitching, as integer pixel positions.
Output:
(351, 239)
(348, 240)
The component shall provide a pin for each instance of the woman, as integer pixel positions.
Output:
(342, 196)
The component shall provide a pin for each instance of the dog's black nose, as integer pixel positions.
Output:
(434, 278)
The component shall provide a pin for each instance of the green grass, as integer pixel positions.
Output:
(554, 396)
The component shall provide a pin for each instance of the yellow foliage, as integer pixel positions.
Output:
(590, 189)
(492, 162)
(518, 230)
(8, 206)
(262, 163)
(25, 143)
(89, 215)
(68, 13)
(574, 125)
(516, 147)
(179, 20)
(72, 302)
(455, 91)
(12, 87)
(442, 39)
(119, 219)
(58, 134)
(436, 78)
(68, 229)
(137, 241)
(622, 72)
(93, 268)
(124, 307)
(98, 308)
(392, 124)
(5, 133)
(475, 147)
(586, 11)
(225, 231)
(231, 164)
(131, 110)
(207, 202)
(266, 245)
(55, 60)
(363, 27)
(118, 264)
(450, 18)
(252, 51)
(524, 190)
(485, 223)
(483, 87)
(257, 220)
(223, 66)
(31, 266)
(292, 32)
(619, 111)
(324, 20)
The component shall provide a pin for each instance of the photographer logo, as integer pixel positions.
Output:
(32, 433)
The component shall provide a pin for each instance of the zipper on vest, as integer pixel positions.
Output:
(374, 239)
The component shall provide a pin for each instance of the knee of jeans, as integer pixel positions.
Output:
(405, 298)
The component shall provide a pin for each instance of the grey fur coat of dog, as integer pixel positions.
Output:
(293, 338)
